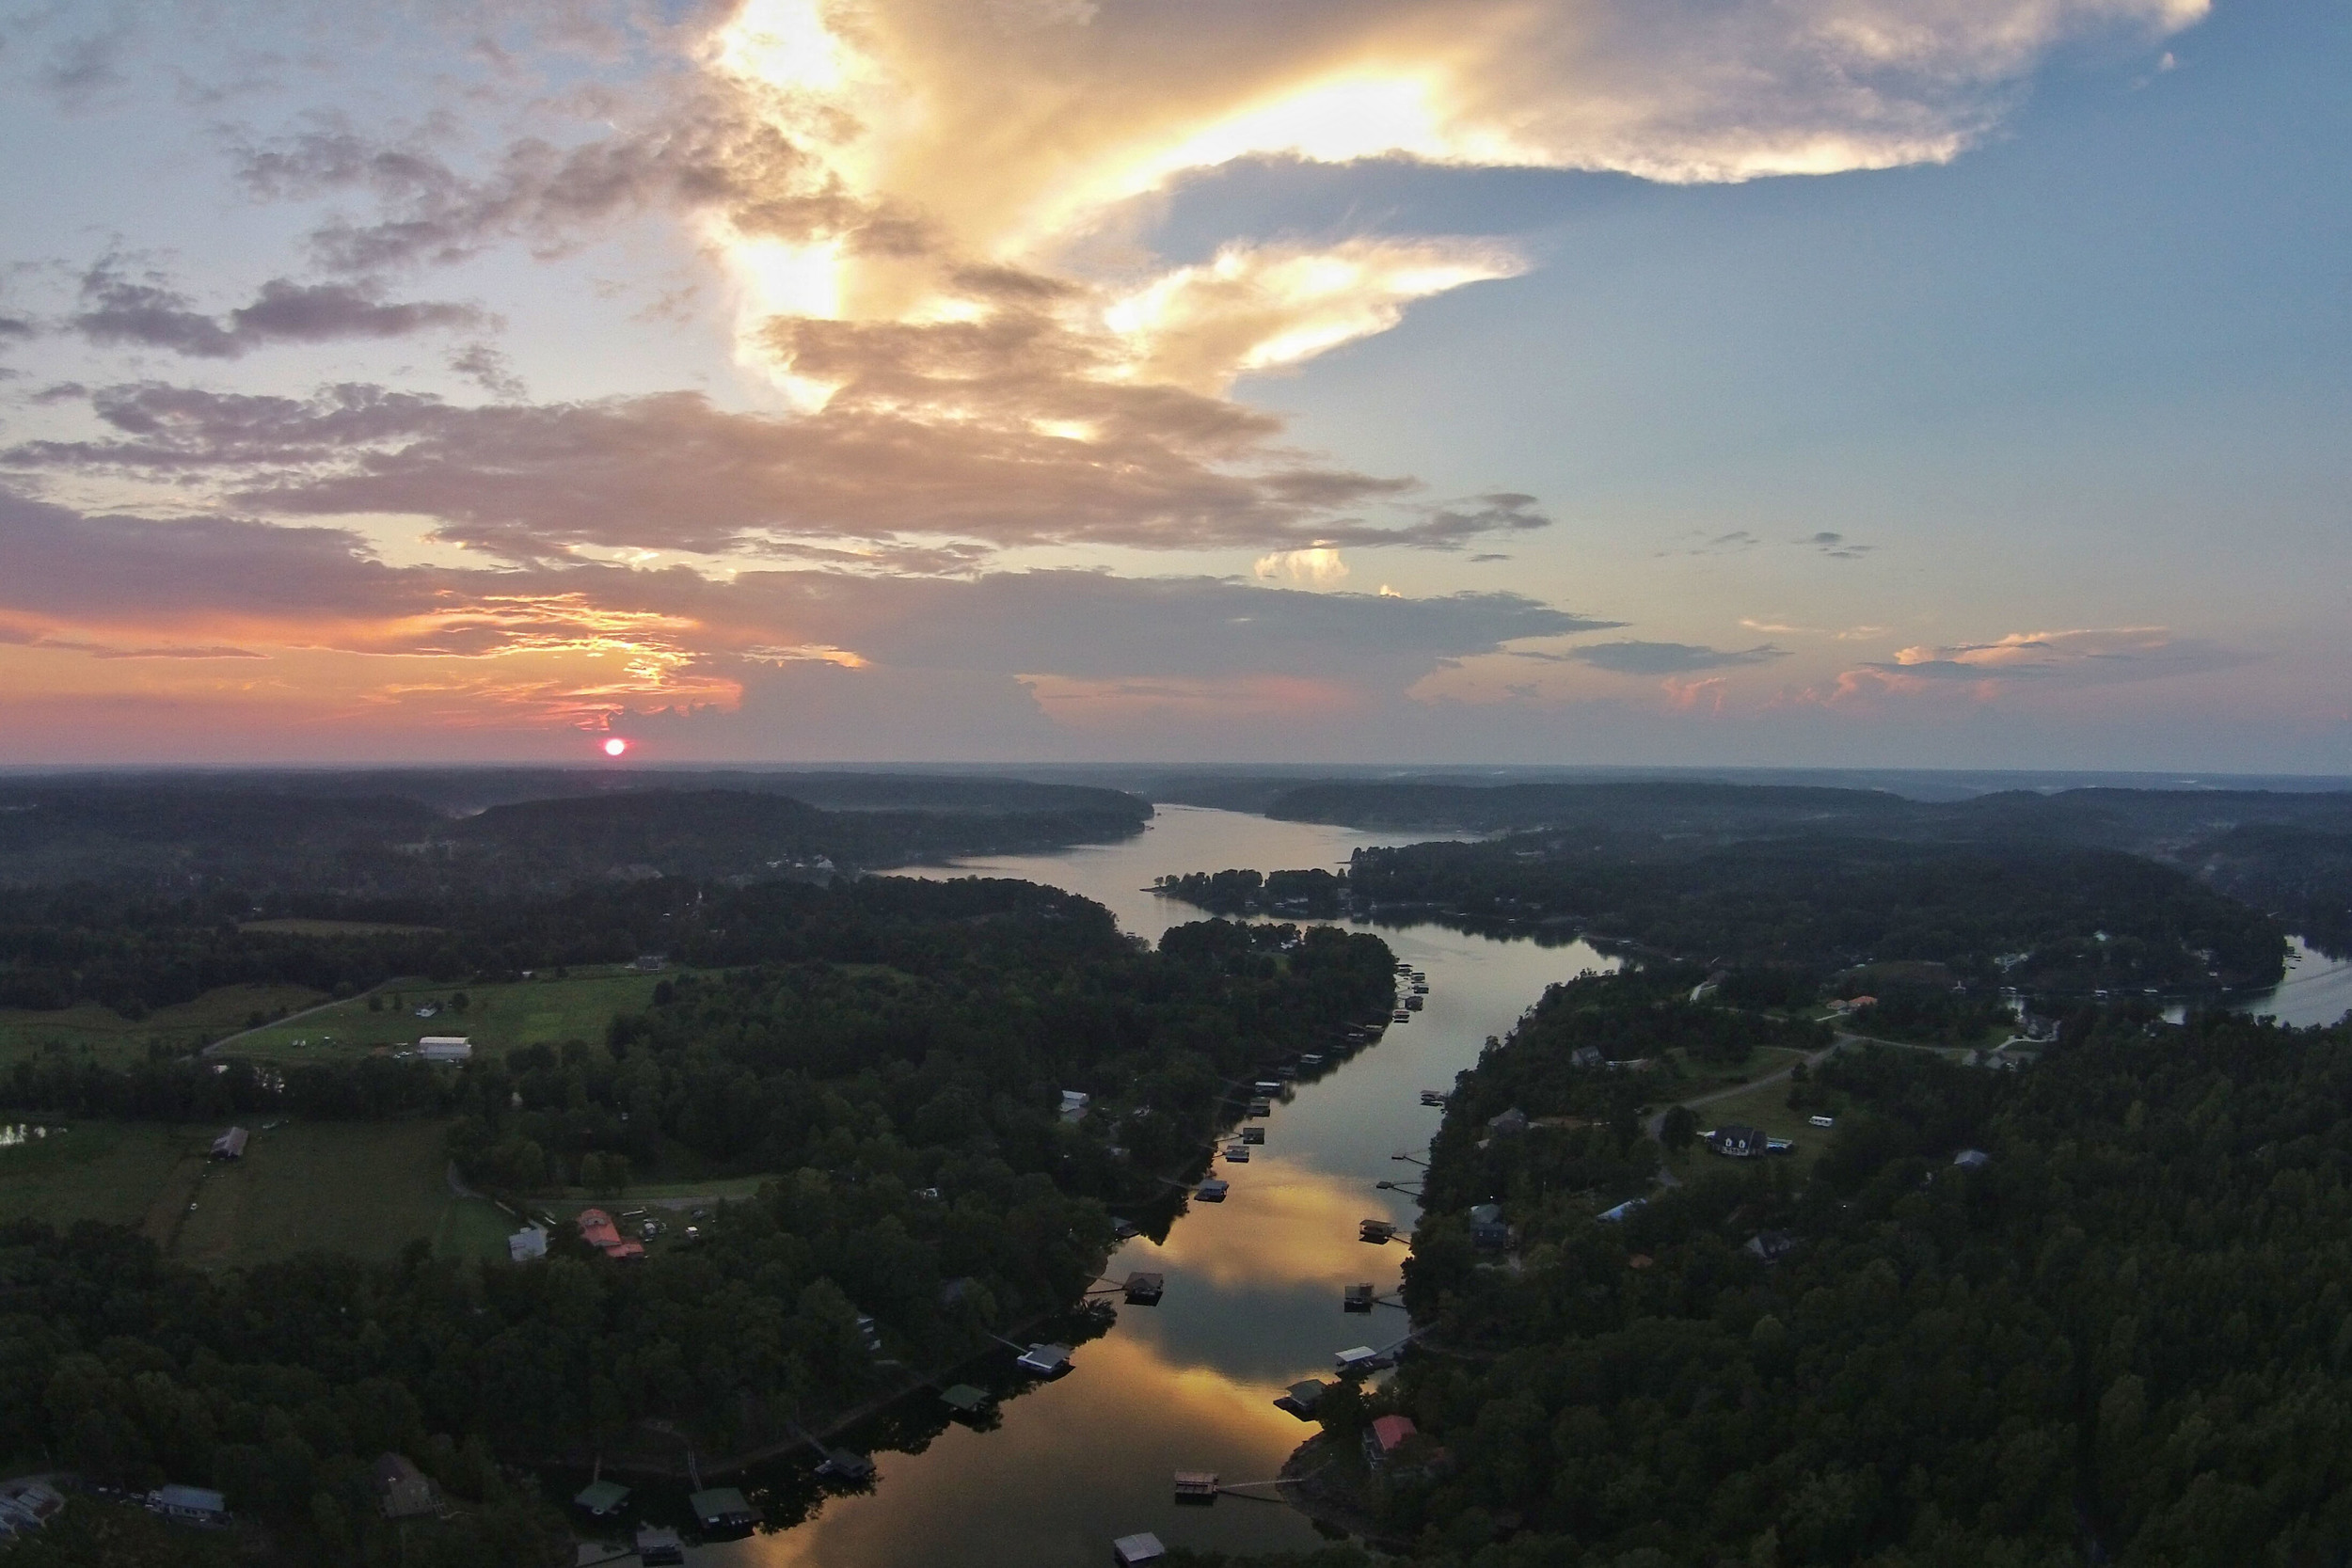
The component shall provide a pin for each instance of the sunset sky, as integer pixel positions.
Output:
(1870, 382)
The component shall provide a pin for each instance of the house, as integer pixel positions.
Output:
(1770, 1245)
(1509, 1124)
(1587, 1057)
(230, 1144)
(1387, 1435)
(596, 1230)
(445, 1047)
(1972, 1159)
(1738, 1143)
(1623, 1211)
(527, 1243)
(1486, 1226)
(28, 1505)
(190, 1505)
(405, 1491)
(649, 964)
(1073, 1105)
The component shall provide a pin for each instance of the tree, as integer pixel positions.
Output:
(1680, 1128)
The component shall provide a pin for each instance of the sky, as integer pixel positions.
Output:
(1863, 382)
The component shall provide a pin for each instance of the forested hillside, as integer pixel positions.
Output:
(2123, 1339)
(893, 1052)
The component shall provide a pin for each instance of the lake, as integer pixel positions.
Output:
(1253, 1283)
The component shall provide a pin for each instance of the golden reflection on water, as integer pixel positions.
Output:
(1106, 1440)
(1285, 1224)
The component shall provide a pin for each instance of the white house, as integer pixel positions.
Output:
(445, 1047)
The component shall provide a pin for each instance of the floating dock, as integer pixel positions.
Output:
(1196, 1486)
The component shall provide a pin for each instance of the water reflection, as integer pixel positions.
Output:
(1253, 1283)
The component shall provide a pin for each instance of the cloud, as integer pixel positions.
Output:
(2099, 655)
(565, 644)
(118, 309)
(1658, 658)
(486, 368)
(1318, 565)
(1836, 545)
(945, 432)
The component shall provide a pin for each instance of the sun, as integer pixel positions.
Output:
(615, 747)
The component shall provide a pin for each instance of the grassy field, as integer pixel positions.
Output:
(366, 1189)
(496, 1019)
(91, 1030)
(90, 1171)
(1766, 1105)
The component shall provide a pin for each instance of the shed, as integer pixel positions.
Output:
(659, 1546)
(602, 1498)
(1972, 1159)
(190, 1505)
(722, 1508)
(405, 1491)
(230, 1144)
(1141, 1548)
(445, 1047)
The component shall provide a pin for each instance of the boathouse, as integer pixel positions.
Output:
(1144, 1287)
(722, 1508)
(1212, 1190)
(661, 1547)
(1140, 1547)
(602, 1498)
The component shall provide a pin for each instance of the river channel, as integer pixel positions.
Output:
(1253, 1283)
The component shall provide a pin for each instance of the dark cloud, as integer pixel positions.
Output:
(13, 327)
(76, 576)
(1836, 545)
(704, 151)
(937, 433)
(143, 311)
(1661, 658)
(489, 370)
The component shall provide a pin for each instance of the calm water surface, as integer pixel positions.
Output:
(1253, 1284)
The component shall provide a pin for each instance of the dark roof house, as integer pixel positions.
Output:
(405, 1491)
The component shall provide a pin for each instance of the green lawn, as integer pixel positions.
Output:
(332, 927)
(1766, 1105)
(91, 1031)
(365, 1188)
(498, 1018)
(91, 1171)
